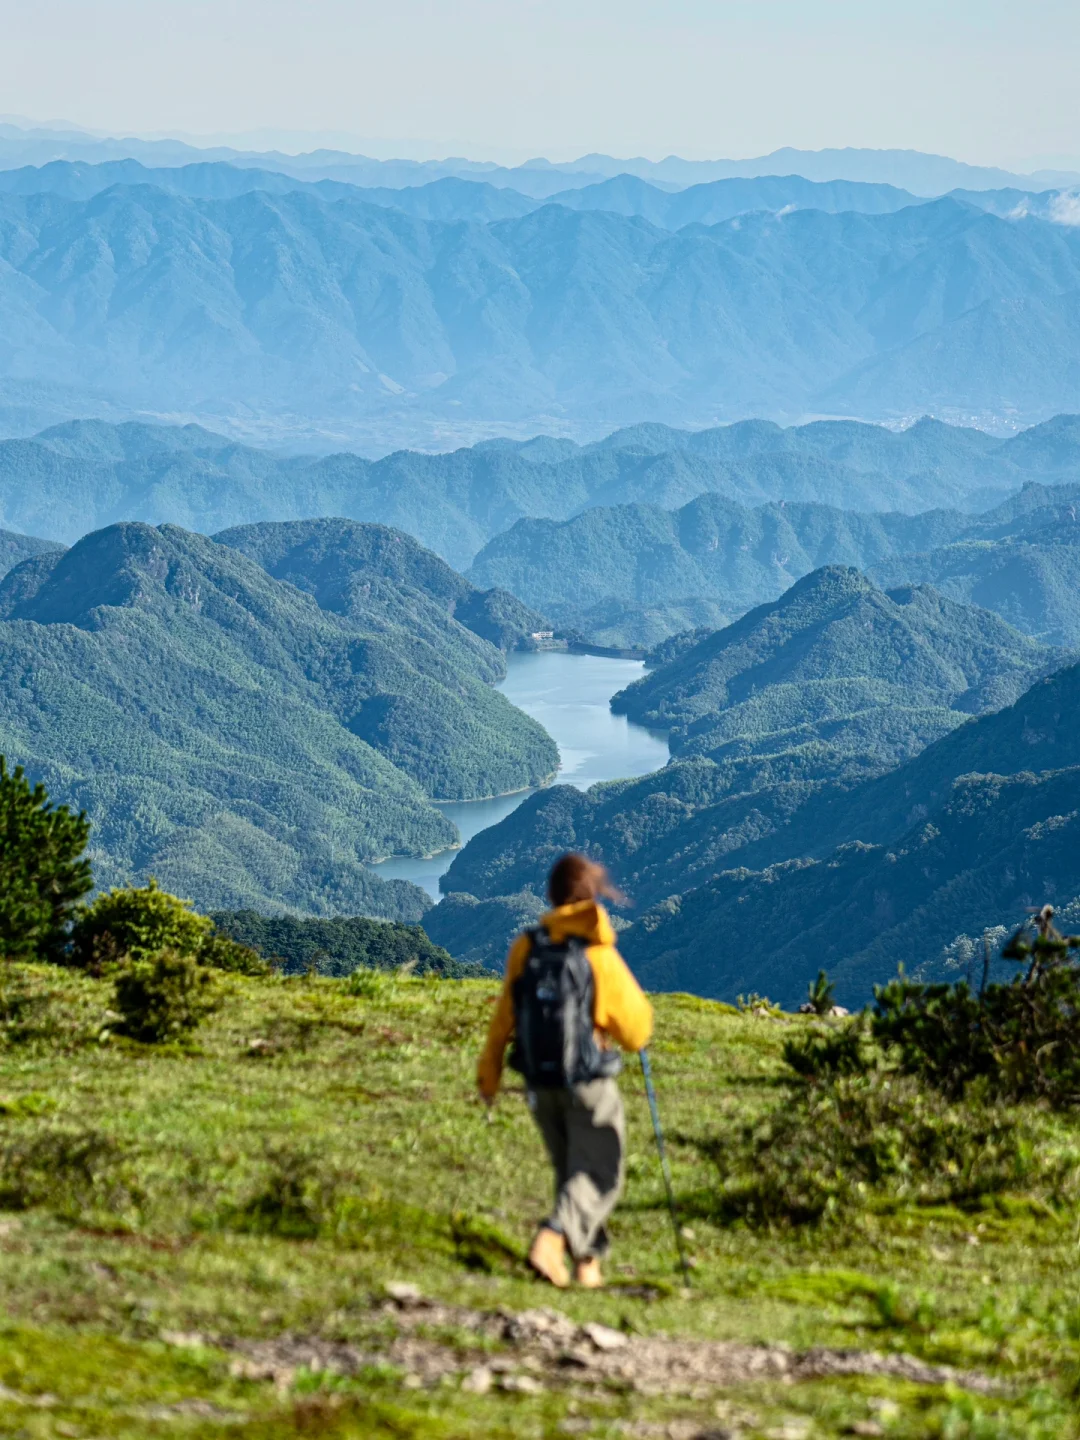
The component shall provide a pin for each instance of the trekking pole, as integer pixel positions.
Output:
(646, 1071)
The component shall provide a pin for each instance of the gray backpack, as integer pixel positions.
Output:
(554, 1041)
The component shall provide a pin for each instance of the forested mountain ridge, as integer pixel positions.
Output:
(83, 475)
(14, 549)
(829, 635)
(231, 737)
(969, 834)
(293, 313)
(382, 577)
(826, 688)
(602, 566)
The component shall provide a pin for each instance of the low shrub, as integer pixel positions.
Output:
(295, 1200)
(861, 1140)
(65, 1170)
(825, 1051)
(222, 953)
(1020, 1040)
(164, 997)
(821, 994)
(135, 923)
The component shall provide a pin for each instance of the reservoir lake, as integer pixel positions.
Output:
(569, 695)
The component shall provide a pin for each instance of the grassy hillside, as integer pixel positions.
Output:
(226, 734)
(210, 1240)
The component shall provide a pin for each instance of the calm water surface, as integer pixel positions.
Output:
(569, 695)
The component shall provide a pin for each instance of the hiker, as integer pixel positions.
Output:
(568, 994)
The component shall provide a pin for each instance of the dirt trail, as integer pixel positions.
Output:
(545, 1349)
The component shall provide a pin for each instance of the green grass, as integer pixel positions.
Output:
(239, 1192)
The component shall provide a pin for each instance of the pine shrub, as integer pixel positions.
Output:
(164, 996)
(43, 870)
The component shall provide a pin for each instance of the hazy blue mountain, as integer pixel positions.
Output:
(85, 474)
(14, 549)
(911, 169)
(976, 829)
(230, 735)
(716, 200)
(1023, 561)
(457, 197)
(449, 199)
(832, 685)
(289, 313)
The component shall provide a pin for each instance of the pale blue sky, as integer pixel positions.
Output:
(989, 81)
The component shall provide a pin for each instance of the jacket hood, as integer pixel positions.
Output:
(587, 919)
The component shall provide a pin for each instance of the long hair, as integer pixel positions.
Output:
(574, 877)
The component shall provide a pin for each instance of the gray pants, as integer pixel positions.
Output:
(584, 1129)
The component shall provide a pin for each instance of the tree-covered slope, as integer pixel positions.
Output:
(1023, 561)
(231, 737)
(601, 566)
(818, 693)
(997, 846)
(834, 646)
(14, 549)
(383, 578)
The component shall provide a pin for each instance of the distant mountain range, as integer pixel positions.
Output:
(458, 198)
(926, 175)
(249, 743)
(80, 476)
(294, 316)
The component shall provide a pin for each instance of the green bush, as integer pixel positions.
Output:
(164, 997)
(222, 953)
(821, 994)
(825, 1051)
(862, 1140)
(135, 923)
(1020, 1041)
(68, 1171)
(138, 922)
(43, 871)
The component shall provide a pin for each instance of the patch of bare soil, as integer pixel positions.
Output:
(545, 1349)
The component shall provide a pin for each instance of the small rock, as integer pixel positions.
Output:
(686, 1233)
(403, 1292)
(183, 1339)
(258, 1045)
(885, 1409)
(839, 1011)
(478, 1381)
(521, 1385)
(412, 1382)
(603, 1337)
(789, 1430)
(866, 1427)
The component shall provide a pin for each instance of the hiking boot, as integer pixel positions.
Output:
(548, 1257)
(587, 1274)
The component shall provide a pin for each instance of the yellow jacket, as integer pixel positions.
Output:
(620, 1009)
